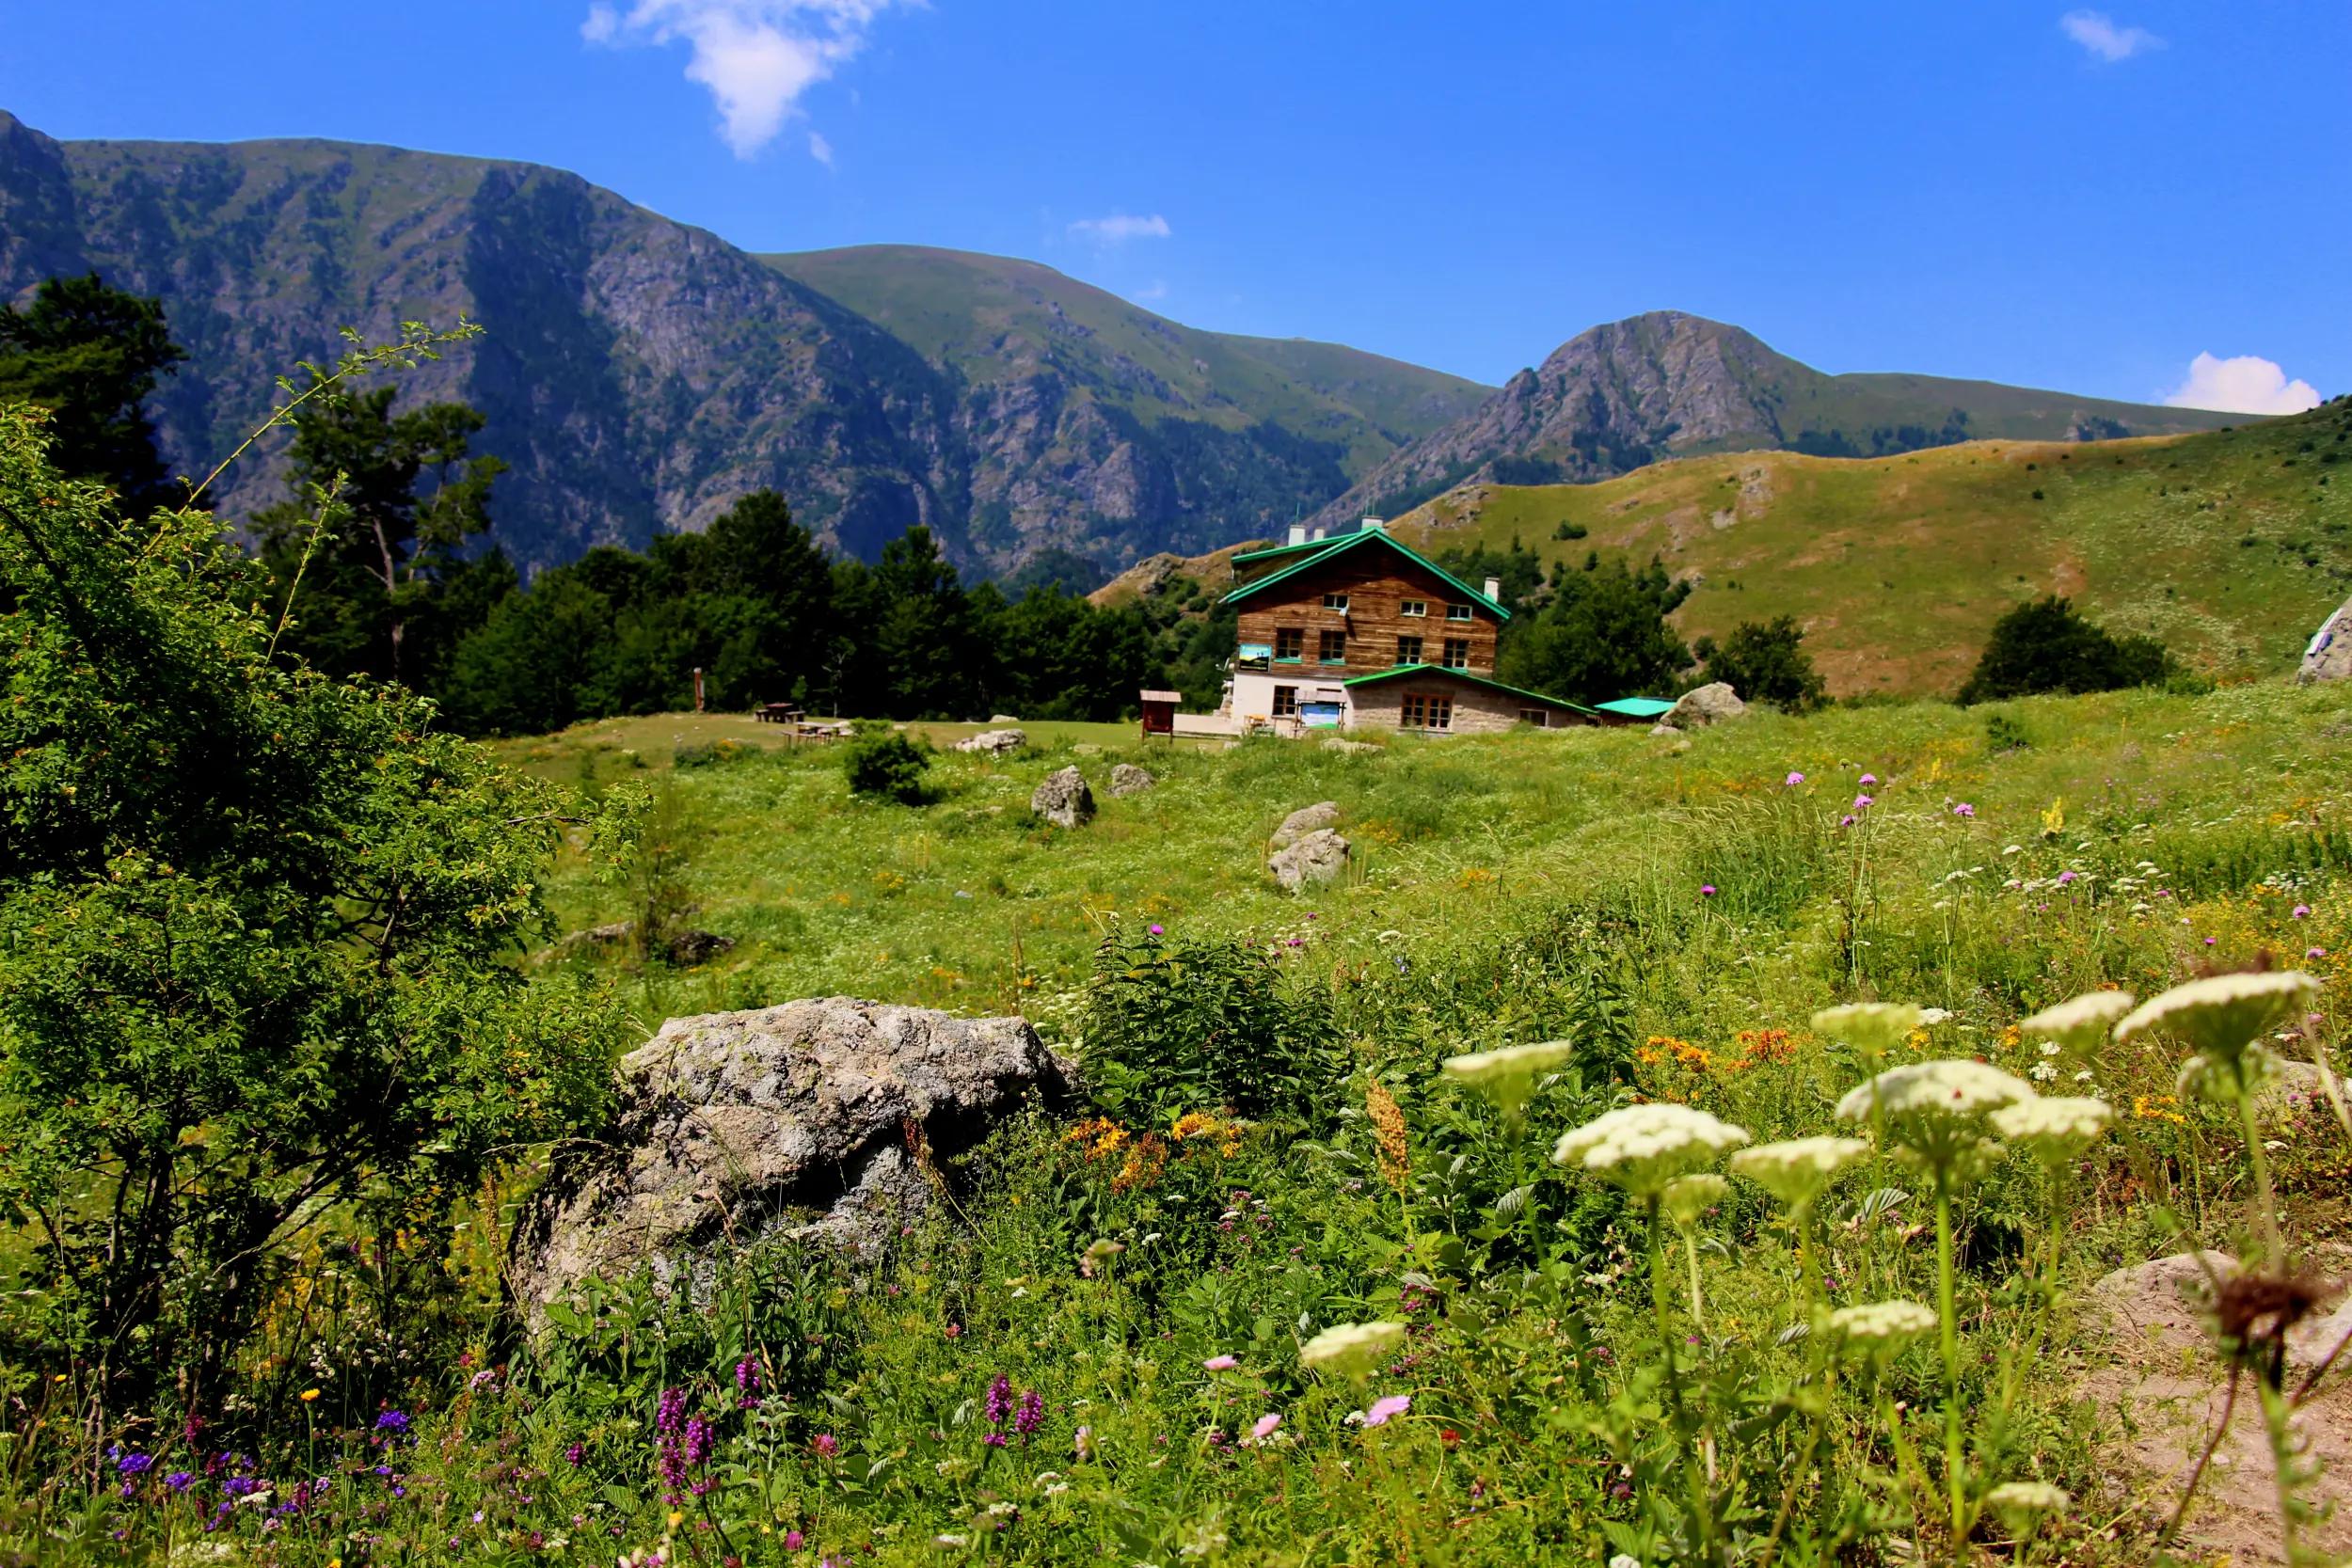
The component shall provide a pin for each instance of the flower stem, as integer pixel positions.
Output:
(1662, 1295)
(2272, 1238)
(1952, 1479)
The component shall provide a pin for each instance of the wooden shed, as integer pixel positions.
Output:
(1159, 713)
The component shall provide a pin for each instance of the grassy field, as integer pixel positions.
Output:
(1109, 1347)
(2231, 546)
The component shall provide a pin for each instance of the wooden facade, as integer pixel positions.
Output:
(1345, 614)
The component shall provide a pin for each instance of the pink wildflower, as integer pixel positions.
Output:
(1263, 1427)
(1795, 779)
(1220, 1364)
(1385, 1409)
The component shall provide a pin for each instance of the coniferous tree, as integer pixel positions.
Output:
(90, 356)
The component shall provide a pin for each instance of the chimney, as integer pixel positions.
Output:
(1298, 533)
(1373, 525)
(1494, 589)
(1320, 533)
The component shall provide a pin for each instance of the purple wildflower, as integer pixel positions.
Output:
(574, 1454)
(1847, 820)
(1963, 809)
(392, 1423)
(1383, 1410)
(696, 1442)
(136, 1463)
(1706, 890)
(671, 1414)
(1031, 1415)
(794, 1540)
(1868, 780)
(1862, 802)
(1795, 779)
(826, 1444)
(2302, 911)
(999, 1400)
(995, 1439)
(179, 1480)
(1157, 929)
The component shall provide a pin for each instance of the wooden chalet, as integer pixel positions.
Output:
(1359, 630)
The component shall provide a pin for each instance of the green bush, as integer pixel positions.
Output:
(1765, 662)
(2048, 646)
(890, 766)
(1173, 1027)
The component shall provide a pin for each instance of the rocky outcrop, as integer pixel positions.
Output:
(816, 1120)
(1315, 858)
(1708, 705)
(2330, 656)
(1305, 821)
(994, 743)
(1063, 799)
(1127, 779)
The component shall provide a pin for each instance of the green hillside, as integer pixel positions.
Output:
(2231, 546)
(992, 319)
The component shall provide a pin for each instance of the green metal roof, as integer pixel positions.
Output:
(1327, 541)
(1403, 669)
(1323, 549)
(1636, 707)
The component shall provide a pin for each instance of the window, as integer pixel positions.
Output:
(1457, 613)
(1424, 710)
(1408, 650)
(1332, 648)
(1457, 653)
(1335, 601)
(1413, 607)
(1532, 716)
(1286, 701)
(1289, 643)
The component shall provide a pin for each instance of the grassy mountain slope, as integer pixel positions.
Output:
(1667, 385)
(995, 317)
(2232, 545)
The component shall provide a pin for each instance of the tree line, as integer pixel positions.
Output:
(410, 585)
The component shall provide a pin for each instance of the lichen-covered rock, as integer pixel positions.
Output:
(790, 1121)
(1711, 704)
(994, 742)
(1127, 779)
(1064, 799)
(1305, 821)
(2330, 656)
(1320, 856)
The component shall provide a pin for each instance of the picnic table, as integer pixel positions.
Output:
(778, 713)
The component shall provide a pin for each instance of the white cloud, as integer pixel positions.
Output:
(2097, 32)
(756, 57)
(821, 149)
(1120, 227)
(2246, 384)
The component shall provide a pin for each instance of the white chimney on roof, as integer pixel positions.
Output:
(1494, 589)
(1319, 532)
(1298, 533)
(1373, 525)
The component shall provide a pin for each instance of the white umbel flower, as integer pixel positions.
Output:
(2203, 1077)
(1641, 1147)
(2054, 1129)
(1878, 1328)
(1877, 1027)
(2026, 1500)
(1351, 1350)
(1934, 1112)
(1688, 1198)
(2223, 1014)
(1507, 1077)
(1796, 1169)
(2080, 1023)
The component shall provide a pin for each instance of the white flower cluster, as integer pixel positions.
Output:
(2024, 1498)
(2221, 1015)
(1875, 1026)
(1507, 1077)
(1796, 1169)
(1351, 1350)
(1688, 1198)
(1958, 1090)
(1641, 1147)
(2082, 1022)
(1880, 1326)
(2054, 1129)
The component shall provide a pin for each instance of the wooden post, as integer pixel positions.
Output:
(698, 688)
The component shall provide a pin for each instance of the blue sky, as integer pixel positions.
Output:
(2087, 199)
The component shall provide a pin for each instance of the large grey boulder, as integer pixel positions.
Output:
(1127, 779)
(787, 1122)
(1318, 856)
(1711, 704)
(1064, 799)
(2330, 656)
(1305, 821)
(994, 742)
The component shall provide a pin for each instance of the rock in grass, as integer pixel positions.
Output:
(994, 742)
(1127, 779)
(1305, 821)
(1711, 704)
(784, 1122)
(1351, 748)
(1064, 799)
(2330, 656)
(1318, 856)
